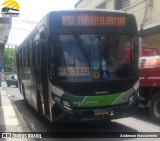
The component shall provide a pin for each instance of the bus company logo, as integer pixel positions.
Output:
(10, 8)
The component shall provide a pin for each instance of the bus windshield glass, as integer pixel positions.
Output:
(92, 57)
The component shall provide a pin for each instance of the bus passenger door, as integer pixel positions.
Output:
(44, 70)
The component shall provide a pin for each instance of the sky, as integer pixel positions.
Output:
(31, 12)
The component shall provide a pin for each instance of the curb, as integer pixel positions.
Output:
(22, 124)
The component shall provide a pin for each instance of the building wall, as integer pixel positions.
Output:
(89, 3)
(146, 11)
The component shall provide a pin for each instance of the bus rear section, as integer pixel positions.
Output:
(87, 66)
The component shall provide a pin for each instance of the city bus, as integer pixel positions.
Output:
(81, 65)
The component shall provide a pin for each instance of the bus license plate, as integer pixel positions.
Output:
(101, 113)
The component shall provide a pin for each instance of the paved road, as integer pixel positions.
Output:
(139, 123)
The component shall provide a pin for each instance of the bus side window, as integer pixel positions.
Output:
(23, 60)
(17, 60)
(53, 61)
(20, 59)
(26, 56)
(30, 53)
(36, 53)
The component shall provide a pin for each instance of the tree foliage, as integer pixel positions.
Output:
(8, 52)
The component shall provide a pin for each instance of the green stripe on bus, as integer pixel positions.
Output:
(73, 98)
(103, 100)
(91, 101)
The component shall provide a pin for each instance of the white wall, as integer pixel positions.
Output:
(147, 13)
(89, 3)
(145, 16)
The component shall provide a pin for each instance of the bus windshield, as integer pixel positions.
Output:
(86, 57)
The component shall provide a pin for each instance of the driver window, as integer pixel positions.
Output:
(109, 49)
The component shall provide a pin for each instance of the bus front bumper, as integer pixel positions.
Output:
(79, 115)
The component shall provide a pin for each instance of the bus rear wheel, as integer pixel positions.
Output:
(155, 107)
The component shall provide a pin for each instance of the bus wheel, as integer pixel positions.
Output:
(155, 107)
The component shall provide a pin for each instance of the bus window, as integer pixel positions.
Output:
(125, 52)
(71, 52)
(19, 59)
(30, 53)
(26, 56)
(36, 53)
(23, 57)
(70, 58)
(107, 53)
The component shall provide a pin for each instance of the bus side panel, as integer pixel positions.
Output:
(24, 86)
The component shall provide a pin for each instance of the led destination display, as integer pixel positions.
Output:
(93, 20)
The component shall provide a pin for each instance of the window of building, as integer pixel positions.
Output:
(125, 3)
(120, 4)
(102, 6)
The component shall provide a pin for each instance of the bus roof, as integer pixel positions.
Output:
(77, 11)
(90, 10)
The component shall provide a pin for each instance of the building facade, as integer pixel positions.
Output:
(147, 13)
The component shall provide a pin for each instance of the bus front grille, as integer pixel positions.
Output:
(91, 88)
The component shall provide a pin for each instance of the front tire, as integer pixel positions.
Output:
(155, 107)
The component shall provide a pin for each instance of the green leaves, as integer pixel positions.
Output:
(9, 54)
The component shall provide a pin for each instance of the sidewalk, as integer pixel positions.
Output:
(10, 119)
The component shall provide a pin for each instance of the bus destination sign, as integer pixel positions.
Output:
(93, 20)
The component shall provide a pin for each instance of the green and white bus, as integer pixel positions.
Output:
(81, 65)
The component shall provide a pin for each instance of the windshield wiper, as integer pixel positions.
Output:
(81, 45)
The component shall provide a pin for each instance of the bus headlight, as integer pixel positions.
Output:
(133, 97)
(66, 105)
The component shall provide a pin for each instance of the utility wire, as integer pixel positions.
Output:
(132, 5)
(21, 29)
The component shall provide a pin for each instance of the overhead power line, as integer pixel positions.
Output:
(21, 29)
